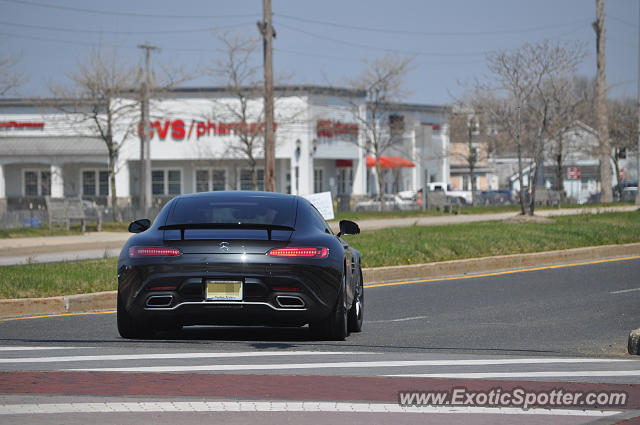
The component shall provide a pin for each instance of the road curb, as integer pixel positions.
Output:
(58, 305)
(107, 300)
(497, 263)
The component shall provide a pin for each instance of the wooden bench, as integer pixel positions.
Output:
(438, 199)
(547, 197)
(63, 210)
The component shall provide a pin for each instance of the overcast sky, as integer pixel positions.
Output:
(318, 41)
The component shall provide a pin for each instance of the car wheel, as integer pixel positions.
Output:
(356, 312)
(335, 327)
(127, 326)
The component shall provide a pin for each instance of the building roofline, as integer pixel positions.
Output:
(282, 89)
(47, 102)
(202, 90)
(416, 107)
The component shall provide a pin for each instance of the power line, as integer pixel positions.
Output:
(319, 56)
(129, 14)
(91, 44)
(366, 46)
(435, 33)
(631, 24)
(48, 40)
(86, 31)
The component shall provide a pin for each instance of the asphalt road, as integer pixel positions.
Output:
(562, 311)
(563, 326)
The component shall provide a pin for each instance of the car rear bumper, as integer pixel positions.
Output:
(231, 313)
(287, 294)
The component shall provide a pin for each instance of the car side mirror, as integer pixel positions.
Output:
(348, 227)
(139, 226)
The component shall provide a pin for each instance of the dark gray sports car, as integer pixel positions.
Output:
(239, 258)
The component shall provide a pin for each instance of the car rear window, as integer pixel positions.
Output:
(262, 210)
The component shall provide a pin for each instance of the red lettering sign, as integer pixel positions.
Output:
(202, 128)
(18, 124)
(328, 128)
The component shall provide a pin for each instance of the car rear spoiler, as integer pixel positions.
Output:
(268, 227)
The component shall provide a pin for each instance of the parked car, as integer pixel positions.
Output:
(391, 202)
(239, 258)
(464, 194)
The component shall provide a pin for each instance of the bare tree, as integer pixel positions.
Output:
(240, 74)
(382, 80)
(9, 79)
(525, 77)
(623, 131)
(468, 129)
(98, 88)
(567, 104)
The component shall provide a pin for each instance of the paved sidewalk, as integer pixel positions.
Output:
(101, 244)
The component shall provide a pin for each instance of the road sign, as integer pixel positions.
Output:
(573, 174)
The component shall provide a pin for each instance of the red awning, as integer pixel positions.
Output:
(390, 162)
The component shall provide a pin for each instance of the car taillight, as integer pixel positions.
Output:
(300, 252)
(153, 251)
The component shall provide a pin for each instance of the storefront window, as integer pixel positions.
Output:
(103, 183)
(345, 177)
(95, 182)
(171, 180)
(157, 182)
(37, 183)
(89, 183)
(202, 180)
(317, 180)
(218, 180)
(174, 182)
(246, 182)
(30, 183)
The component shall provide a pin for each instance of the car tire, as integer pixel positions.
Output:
(127, 326)
(356, 312)
(335, 327)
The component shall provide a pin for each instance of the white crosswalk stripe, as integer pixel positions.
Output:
(158, 356)
(347, 365)
(258, 406)
(26, 348)
(309, 362)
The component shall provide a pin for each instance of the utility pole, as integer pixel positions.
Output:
(266, 30)
(638, 147)
(145, 136)
(606, 194)
(520, 174)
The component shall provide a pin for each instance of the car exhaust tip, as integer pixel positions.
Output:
(159, 301)
(288, 301)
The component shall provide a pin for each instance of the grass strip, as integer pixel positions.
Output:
(110, 226)
(52, 279)
(385, 247)
(426, 244)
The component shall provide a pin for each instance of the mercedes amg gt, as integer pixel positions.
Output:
(239, 258)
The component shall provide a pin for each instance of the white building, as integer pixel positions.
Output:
(195, 143)
(580, 166)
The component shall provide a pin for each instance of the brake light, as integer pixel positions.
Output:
(300, 252)
(153, 251)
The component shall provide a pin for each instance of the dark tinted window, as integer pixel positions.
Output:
(234, 209)
(316, 219)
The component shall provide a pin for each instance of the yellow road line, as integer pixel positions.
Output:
(472, 276)
(56, 315)
(378, 285)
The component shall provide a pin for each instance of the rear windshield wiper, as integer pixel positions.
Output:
(268, 227)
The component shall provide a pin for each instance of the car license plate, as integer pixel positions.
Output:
(224, 290)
